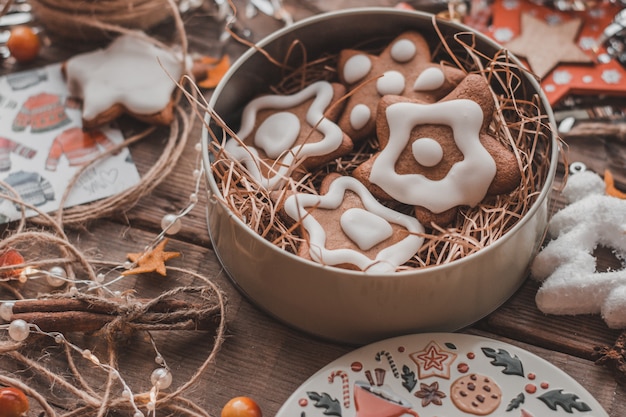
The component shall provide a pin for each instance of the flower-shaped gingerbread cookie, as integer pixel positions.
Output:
(438, 156)
(130, 76)
(280, 135)
(403, 68)
(347, 227)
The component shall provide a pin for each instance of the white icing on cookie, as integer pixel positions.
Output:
(467, 181)
(403, 50)
(131, 71)
(391, 82)
(322, 94)
(427, 152)
(387, 260)
(430, 79)
(364, 228)
(356, 68)
(277, 133)
(359, 116)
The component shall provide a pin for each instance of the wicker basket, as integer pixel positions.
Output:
(94, 19)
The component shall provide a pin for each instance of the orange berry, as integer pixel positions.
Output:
(23, 43)
(13, 402)
(241, 407)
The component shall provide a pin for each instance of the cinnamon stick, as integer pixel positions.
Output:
(76, 315)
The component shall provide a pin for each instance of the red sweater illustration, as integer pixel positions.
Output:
(79, 147)
(42, 112)
(7, 146)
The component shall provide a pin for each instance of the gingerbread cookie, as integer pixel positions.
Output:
(438, 156)
(282, 136)
(347, 227)
(403, 68)
(476, 394)
(130, 76)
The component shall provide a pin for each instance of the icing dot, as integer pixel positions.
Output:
(364, 228)
(359, 116)
(277, 133)
(530, 388)
(545, 385)
(356, 366)
(427, 152)
(401, 349)
(403, 50)
(430, 79)
(462, 367)
(471, 355)
(356, 67)
(392, 82)
(303, 402)
(532, 376)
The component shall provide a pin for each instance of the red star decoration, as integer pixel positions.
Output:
(566, 78)
(433, 361)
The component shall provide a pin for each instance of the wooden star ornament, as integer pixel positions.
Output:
(545, 45)
(151, 261)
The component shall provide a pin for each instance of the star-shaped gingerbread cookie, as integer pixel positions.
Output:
(152, 261)
(347, 227)
(438, 156)
(131, 76)
(403, 68)
(282, 136)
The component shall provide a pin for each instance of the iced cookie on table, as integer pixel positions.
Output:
(283, 136)
(438, 156)
(131, 76)
(345, 226)
(403, 68)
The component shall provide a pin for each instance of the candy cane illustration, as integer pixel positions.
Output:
(392, 363)
(345, 385)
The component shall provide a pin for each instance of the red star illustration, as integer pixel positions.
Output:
(603, 76)
(433, 361)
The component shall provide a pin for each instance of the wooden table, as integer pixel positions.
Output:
(265, 359)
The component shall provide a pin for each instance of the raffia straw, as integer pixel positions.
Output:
(519, 122)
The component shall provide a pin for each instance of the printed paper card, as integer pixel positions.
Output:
(43, 145)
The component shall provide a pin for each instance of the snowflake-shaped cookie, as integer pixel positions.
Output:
(347, 227)
(438, 156)
(280, 135)
(571, 285)
(131, 75)
(404, 68)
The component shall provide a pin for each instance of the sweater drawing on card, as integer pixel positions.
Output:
(7, 147)
(42, 112)
(31, 187)
(78, 146)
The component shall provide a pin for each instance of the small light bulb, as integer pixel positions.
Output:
(161, 378)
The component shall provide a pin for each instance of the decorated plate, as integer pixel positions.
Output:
(440, 375)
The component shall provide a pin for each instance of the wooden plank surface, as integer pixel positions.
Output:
(263, 358)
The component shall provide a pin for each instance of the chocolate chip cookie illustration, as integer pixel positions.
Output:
(476, 394)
